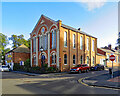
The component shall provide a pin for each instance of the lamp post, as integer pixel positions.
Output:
(42, 67)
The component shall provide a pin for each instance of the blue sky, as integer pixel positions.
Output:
(97, 19)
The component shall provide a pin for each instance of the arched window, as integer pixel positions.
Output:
(52, 40)
(81, 42)
(73, 59)
(81, 59)
(53, 59)
(65, 39)
(34, 44)
(73, 40)
(34, 60)
(65, 58)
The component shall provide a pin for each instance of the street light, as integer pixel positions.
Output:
(41, 49)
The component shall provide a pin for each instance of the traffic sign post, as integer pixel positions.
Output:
(112, 58)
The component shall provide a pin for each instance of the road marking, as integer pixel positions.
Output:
(81, 81)
(43, 84)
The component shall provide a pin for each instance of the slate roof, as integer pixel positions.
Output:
(76, 30)
(21, 49)
(109, 51)
(65, 26)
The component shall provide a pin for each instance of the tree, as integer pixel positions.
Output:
(18, 40)
(3, 43)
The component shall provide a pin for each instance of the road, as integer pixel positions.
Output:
(15, 83)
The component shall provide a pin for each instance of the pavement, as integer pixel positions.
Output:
(103, 80)
(42, 74)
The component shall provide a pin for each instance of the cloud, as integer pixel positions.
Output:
(93, 4)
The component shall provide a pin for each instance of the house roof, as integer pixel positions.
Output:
(109, 51)
(21, 49)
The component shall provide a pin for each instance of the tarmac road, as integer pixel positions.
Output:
(15, 83)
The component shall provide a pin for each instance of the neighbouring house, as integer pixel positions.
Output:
(21, 53)
(63, 46)
(105, 53)
(101, 56)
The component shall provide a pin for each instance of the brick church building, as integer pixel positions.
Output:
(63, 46)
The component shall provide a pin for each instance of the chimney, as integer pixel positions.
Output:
(116, 48)
(60, 23)
(110, 46)
(79, 29)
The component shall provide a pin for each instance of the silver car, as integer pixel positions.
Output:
(4, 68)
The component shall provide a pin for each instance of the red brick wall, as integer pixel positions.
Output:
(21, 57)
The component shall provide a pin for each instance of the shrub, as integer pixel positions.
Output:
(16, 66)
(27, 63)
(52, 69)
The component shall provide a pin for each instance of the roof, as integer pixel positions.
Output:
(65, 26)
(21, 49)
(76, 30)
(109, 51)
(100, 54)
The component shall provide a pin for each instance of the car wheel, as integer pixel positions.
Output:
(87, 70)
(79, 71)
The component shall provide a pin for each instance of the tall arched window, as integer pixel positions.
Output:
(52, 40)
(53, 59)
(65, 39)
(81, 42)
(34, 44)
(65, 58)
(81, 59)
(34, 60)
(73, 59)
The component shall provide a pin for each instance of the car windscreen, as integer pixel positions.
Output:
(4, 67)
(78, 66)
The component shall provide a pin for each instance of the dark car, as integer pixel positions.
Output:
(97, 67)
(80, 68)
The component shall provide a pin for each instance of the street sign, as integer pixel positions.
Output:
(112, 57)
(59, 59)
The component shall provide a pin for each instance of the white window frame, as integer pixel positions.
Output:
(53, 59)
(74, 41)
(81, 42)
(34, 44)
(65, 39)
(88, 44)
(54, 38)
(74, 60)
(93, 45)
(65, 58)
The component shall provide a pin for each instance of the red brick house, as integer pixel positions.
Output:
(21, 53)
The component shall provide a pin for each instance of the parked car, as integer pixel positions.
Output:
(97, 67)
(80, 68)
(4, 68)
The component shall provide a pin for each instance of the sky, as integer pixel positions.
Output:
(99, 19)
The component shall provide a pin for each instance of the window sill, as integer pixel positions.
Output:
(53, 64)
(65, 64)
(65, 46)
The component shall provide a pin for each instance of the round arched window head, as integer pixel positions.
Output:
(43, 29)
